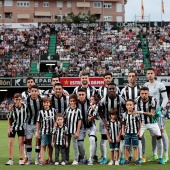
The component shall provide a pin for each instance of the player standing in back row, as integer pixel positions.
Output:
(108, 78)
(55, 79)
(29, 82)
(90, 90)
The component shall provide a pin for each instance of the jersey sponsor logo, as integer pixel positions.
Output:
(48, 117)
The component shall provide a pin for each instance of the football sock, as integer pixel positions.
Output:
(165, 143)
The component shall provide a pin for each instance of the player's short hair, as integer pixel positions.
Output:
(46, 99)
(34, 86)
(151, 69)
(130, 100)
(55, 76)
(113, 111)
(81, 90)
(112, 84)
(144, 88)
(108, 74)
(131, 71)
(84, 73)
(30, 78)
(17, 95)
(73, 96)
(58, 84)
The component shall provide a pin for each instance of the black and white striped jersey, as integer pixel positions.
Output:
(33, 106)
(26, 94)
(18, 117)
(71, 117)
(90, 90)
(130, 92)
(131, 122)
(92, 111)
(47, 120)
(60, 135)
(146, 107)
(114, 129)
(60, 104)
(84, 111)
(107, 103)
(102, 91)
(49, 92)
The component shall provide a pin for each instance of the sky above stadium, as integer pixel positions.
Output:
(151, 7)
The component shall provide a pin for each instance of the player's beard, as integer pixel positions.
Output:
(58, 94)
(145, 99)
(84, 82)
(151, 78)
(112, 95)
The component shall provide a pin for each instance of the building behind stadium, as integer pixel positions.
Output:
(14, 11)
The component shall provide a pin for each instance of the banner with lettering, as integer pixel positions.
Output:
(76, 81)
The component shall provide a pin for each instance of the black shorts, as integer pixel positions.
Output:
(103, 136)
(19, 133)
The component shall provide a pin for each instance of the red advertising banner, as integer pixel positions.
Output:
(76, 81)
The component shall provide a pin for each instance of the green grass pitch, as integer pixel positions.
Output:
(4, 155)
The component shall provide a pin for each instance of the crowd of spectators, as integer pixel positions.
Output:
(159, 47)
(19, 47)
(5, 104)
(94, 50)
(97, 50)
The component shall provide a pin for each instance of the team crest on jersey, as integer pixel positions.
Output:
(154, 86)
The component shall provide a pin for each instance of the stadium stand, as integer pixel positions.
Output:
(94, 50)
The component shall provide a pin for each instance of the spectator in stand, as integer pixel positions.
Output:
(86, 49)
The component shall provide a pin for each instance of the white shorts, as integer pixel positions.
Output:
(89, 131)
(30, 131)
(152, 127)
(102, 128)
(161, 123)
